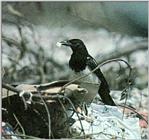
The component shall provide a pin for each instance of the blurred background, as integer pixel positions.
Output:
(30, 31)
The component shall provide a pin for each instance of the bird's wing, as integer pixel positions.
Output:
(92, 64)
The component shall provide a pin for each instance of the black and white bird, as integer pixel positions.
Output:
(80, 59)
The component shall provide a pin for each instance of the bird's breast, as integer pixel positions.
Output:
(78, 62)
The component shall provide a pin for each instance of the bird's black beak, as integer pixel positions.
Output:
(63, 43)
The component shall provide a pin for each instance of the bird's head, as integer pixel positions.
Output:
(74, 44)
(78, 60)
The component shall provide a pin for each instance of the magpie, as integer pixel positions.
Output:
(78, 62)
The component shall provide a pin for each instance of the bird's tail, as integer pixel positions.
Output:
(104, 90)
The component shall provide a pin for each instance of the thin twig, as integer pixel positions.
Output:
(20, 135)
(48, 113)
(87, 135)
(141, 116)
(126, 100)
(9, 87)
(77, 114)
(125, 106)
(63, 108)
(11, 41)
(100, 65)
(23, 131)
